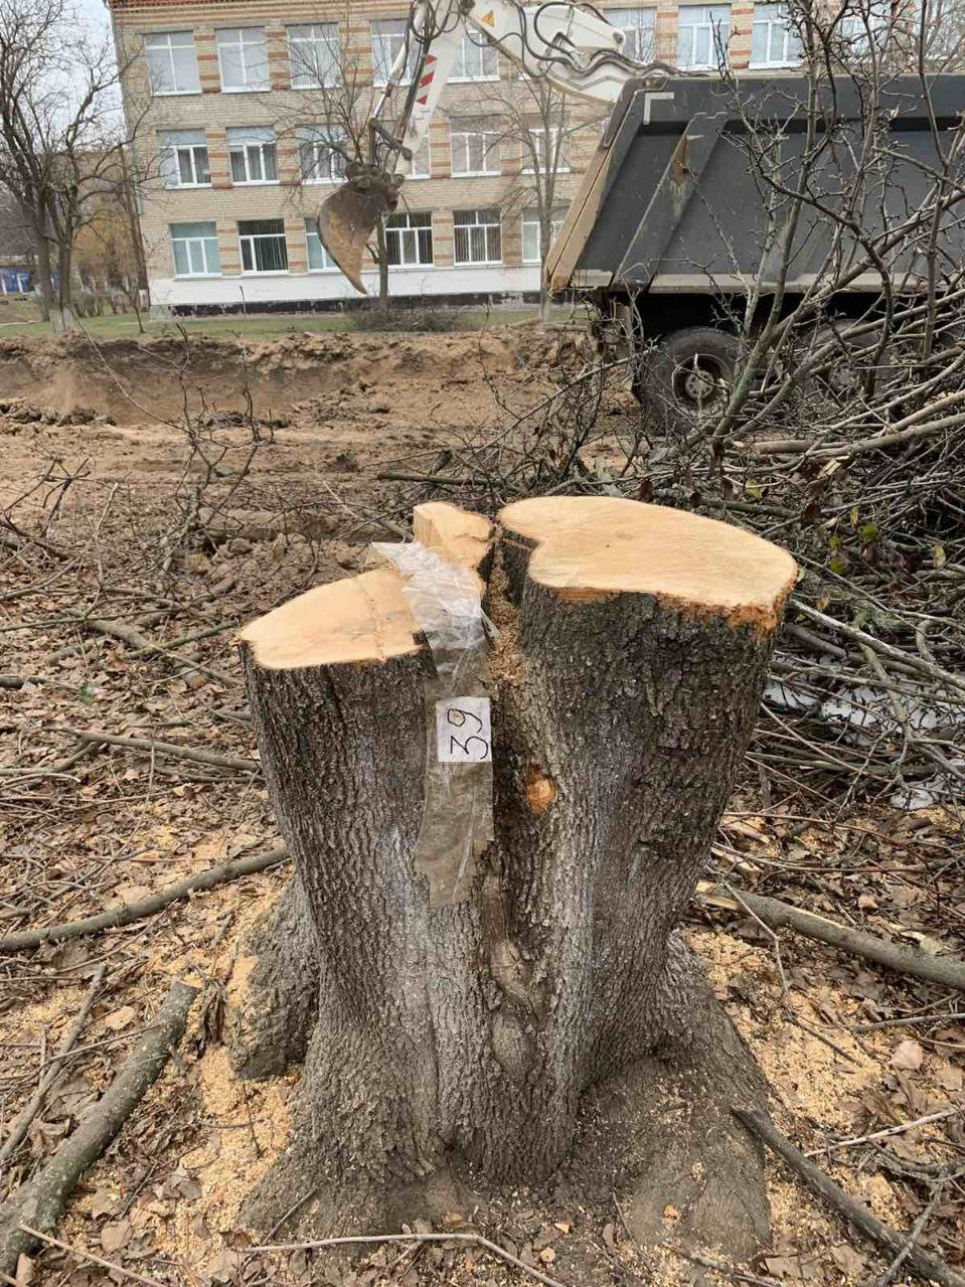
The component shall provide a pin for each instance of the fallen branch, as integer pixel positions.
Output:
(141, 644)
(90, 1257)
(39, 1202)
(361, 1239)
(947, 971)
(821, 1184)
(128, 913)
(21, 1125)
(196, 755)
(888, 1131)
(934, 672)
(58, 770)
(722, 1268)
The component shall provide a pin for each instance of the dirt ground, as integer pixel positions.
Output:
(175, 491)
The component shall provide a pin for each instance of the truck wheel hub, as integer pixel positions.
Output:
(701, 382)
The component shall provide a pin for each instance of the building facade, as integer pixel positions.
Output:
(238, 106)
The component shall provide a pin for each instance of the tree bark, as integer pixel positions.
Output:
(460, 1040)
(44, 276)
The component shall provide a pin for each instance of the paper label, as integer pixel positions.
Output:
(463, 731)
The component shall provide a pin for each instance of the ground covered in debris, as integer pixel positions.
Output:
(155, 497)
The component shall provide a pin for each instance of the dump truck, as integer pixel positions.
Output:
(713, 203)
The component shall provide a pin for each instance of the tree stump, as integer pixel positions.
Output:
(544, 1022)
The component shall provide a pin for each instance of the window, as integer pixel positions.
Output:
(242, 58)
(702, 36)
(184, 158)
(475, 60)
(476, 237)
(263, 246)
(195, 249)
(319, 260)
(544, 149)
(421, 164)
(388, 38)
(408, 239)
(531, 234)
(319, 157)
(251, 152)
(774, 40)
(313, 53)
(172, 65)
(475, 146)
(638, 26)
(863, 24)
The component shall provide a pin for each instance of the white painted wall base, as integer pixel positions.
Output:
(275, 288)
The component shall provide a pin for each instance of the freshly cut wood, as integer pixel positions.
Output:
(585, 547)
(452, 532)
(452, 1046)
(364, 619)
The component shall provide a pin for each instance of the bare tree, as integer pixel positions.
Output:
(329, 119)
(537, 123)
(60, 130)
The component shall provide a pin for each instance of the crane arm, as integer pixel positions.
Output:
(565, 44)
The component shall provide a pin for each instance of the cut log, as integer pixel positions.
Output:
(455, 1044)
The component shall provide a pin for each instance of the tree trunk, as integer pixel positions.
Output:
(44, 276)
(459, 1040)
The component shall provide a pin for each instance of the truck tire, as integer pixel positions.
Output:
(688, 378)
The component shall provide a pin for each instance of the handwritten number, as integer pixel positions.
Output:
(464, 746)
(453, 711)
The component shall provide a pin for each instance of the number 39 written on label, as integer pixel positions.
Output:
(463, 731)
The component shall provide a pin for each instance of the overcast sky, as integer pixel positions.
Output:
(95, 15)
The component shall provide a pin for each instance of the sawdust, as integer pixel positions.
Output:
(26, 1023)
(505, 663)
(805, 1073)
(249, 1123)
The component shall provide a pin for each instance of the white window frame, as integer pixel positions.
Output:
(167, 42)
(710, 23)
(490, 224)
(771, 17)
(531, 219)
(385, 45)
(461, 131)
(422, 153)
(225, 37)
(540, 132)
(311, 234)
(628, 20)
(328, 165)
(325, 55)
(471, 49)
(172, 151)
(194, 243)
(405, 232)
(862, 29)
(252, 237)
(251, 148)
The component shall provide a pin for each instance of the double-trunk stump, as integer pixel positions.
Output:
(535, 1017)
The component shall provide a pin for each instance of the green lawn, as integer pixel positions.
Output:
(18, 320)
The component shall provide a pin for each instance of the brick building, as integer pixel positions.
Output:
(231, 98)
